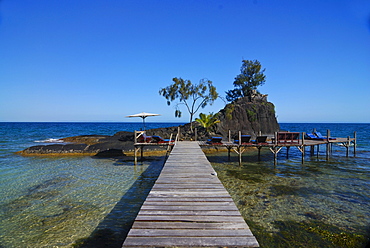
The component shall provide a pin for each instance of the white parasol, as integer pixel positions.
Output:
(143, 115)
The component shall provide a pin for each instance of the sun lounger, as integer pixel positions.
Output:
(320, 136)
(261, 140)
(143, 138)
(316, 136)
(244, 139)
(215, 141)
(312, 136)
(159, 139)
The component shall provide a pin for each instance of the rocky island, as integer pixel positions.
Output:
(250, 115)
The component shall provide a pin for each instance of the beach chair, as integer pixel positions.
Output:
(320, 136)
(215, 141)
(244, 139)
(261, 140)
(158, 139)
(143, 138)
(312, 136)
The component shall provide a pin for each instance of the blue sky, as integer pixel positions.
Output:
(95, 60)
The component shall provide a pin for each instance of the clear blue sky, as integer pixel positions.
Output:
(100, 60)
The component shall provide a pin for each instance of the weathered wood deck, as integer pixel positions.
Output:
(275, 147)
(189, 207)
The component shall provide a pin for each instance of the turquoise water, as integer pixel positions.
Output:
(90, 202)
(55, 202)
(318, 204)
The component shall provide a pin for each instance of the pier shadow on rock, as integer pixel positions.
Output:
(113, 229)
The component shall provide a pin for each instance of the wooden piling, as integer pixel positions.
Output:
(317, 151)
(354, 143)
(327, 144)
(303, 149)
(228, 152)
(347, 146)
(287, 151)
(240, 156)
(259, 152)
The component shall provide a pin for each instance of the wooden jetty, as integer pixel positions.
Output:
(140, 142)
(189, 207)
(286, 139)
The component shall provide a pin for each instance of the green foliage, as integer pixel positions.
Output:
(249, 79)
(193, 96)
(208, 121)
(252, 115)
(229, 111)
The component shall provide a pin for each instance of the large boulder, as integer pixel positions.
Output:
(249, 117)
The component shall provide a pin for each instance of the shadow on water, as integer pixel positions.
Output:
(112, 231)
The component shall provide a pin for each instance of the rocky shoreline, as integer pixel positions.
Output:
(249, 117)
(119, 144)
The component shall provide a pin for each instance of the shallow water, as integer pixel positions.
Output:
(51, 202)
(326, 202)
(90, 202)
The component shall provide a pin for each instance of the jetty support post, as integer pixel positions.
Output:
(312, 150)
(303, 150)
(136, 150)
(229, 136)
(354, 143)
(275, 150)
(135, 155)
(259, 152)
(195, 134)
(141, 153)
(240, 156)
(347, 146)
(228, 152)
(327, 144)
(239, 150)
(317, 151)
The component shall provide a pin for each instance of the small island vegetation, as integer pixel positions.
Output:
(193, 96)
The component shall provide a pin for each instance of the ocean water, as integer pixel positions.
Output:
(61, 201)
(316, 204)
(91, 202)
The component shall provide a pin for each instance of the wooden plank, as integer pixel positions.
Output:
(189, 225)
(190, 199)
(206, 212)
(178, 232)
(191, 218)
(189, 207)
(199, 186)
(191, 241)
(189, 203)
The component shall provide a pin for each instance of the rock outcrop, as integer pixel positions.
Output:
(89, 145)
(248, 116)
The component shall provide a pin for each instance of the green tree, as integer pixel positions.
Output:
(208, 121)
(249, 79)
(193, 96)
